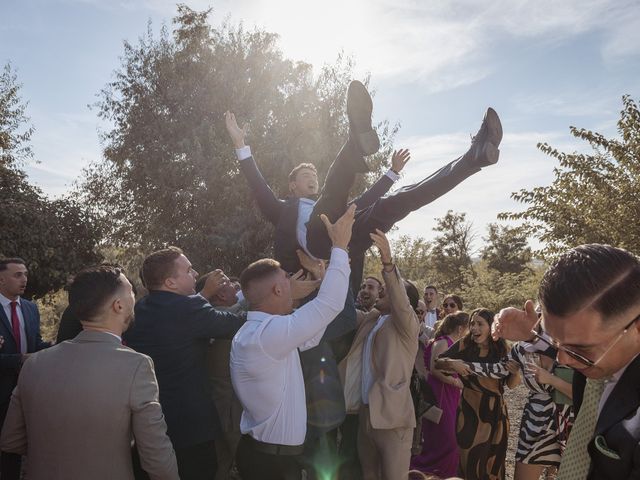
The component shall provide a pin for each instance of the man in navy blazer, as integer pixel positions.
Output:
(590, 300)
(20, 329)
(174, 326)
(297, 219)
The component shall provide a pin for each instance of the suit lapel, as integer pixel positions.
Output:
(28, 327)
(624, 399)
(6, 321)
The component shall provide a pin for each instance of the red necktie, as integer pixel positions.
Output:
(15, 325)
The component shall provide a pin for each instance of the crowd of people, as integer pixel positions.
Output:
(301, 368)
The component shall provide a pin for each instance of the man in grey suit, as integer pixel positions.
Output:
(79, 405)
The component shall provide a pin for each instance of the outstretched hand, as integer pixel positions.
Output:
(515, 324)
(381, 241)
(236, 133)
(340, 232)
(399, 159)
(215, 281)
(314, 267)
(301, 288)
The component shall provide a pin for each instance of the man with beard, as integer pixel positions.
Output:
(370, 291)
(376, 371)
(78, 405)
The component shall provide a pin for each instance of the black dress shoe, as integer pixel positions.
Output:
(359, 108)
(484, 146)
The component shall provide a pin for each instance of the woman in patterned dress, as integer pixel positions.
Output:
(482, 426)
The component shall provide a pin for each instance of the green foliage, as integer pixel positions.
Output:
(170, 175)
(56, 238)
(451, 252)
(506, 250)
(15, 129)
(593, 198)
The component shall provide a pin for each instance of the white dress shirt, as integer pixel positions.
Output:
(305, 205)
(367, 360)
(6, 305)
(265, 365)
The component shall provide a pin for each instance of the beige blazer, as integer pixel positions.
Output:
(77, 407)
(394, 350)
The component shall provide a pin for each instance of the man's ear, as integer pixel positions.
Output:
(292, 187)
(381, 292)
(170, 283)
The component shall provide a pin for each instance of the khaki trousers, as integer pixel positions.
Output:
(384, 454)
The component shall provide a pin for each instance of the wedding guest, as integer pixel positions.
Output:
(265, 364)
(20, 328)
(451, 304)
(482, 425)
(78, 405)
(174, 327)
(376, 371)
(439, 455)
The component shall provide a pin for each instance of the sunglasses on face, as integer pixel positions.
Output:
(539, 335)
(449, 305)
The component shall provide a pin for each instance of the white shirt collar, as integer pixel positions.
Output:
(6, 302)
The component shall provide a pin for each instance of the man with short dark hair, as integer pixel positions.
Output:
(590, 301)
(265, 365)
(432, 315)
(369, 293)
(174, 327)
(20, 328)
(225, 399)
(297, 219)
(78, 405)
(377, 371)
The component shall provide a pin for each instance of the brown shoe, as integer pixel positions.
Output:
(359, 109)
(484, 145)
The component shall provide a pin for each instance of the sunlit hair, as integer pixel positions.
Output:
(159, 266)
(449, 323)
(602, 277)
(257, 271)
(303, 166)
(497, 348)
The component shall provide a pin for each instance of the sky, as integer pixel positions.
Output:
(435, 67)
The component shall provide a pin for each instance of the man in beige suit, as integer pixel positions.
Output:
(79, 405)
(377, 373)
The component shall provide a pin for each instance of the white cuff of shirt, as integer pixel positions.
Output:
(243, 153)
(391, 174)
(338, 256)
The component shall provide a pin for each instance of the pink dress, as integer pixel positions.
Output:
(439, 454)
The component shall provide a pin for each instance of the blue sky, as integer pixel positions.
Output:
(435, 65)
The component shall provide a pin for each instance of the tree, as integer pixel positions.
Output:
(594, 198)
(451, 252)
(506, 250)
(56, 238)
(169, 174)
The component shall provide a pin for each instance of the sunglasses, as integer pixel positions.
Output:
(450, 305)
(539, 335)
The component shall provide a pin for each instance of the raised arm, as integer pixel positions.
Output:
(284, 333)
(270, 206)
(402, 313)
(398, 160)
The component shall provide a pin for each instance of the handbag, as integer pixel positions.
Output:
(566, 374)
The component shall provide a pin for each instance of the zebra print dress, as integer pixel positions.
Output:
(545, 425)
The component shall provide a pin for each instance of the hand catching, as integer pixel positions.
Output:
(236, 133)
(340, 231)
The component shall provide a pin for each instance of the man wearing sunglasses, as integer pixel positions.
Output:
(590, 301)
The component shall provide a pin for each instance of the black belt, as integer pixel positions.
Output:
(274, 448)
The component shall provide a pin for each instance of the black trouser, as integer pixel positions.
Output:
(382, 214)
(197, 462)
(254, 464)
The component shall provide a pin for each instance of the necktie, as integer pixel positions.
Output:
(15, 325)
(575, 461)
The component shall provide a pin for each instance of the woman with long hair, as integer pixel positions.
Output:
(439, 455)
(451, 304)
(482, 426)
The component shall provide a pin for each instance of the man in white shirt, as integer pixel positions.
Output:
(265, 365)
(590, 300)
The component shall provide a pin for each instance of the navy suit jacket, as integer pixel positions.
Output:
(174, 330)
(615, 448)
(10, 359)
(284, 213)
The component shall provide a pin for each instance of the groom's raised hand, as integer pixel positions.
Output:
(236, 133)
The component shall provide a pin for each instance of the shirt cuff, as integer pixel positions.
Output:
(243, 153)
(390, 173)
(339, 256)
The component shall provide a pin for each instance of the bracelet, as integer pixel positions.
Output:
(387, 264)
(397, 173)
